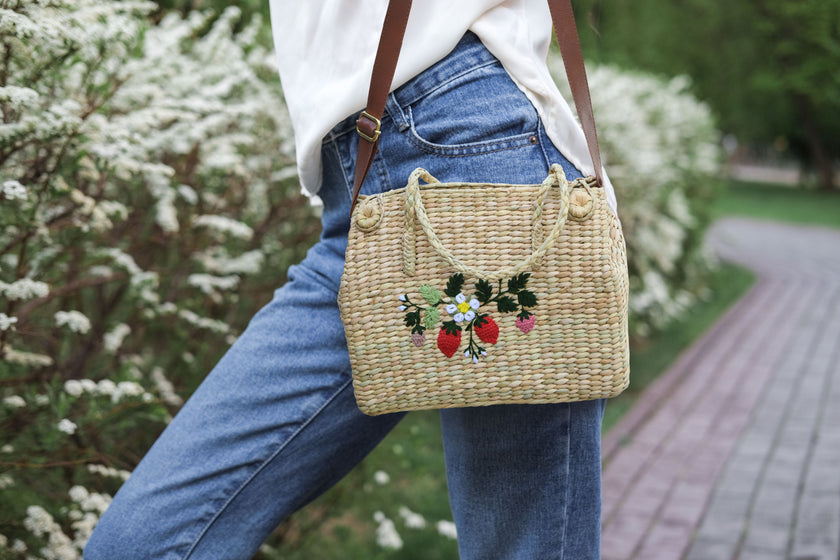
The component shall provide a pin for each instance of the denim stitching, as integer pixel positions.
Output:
(566, 487)
(426, 92)
(265, 463)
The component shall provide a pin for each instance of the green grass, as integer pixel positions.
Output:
(780, 203)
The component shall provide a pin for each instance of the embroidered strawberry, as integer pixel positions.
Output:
(525, 325)
(448, 341)
(418, 339)
(487, 330)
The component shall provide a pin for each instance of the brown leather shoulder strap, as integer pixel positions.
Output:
(563, 19)
(385, 64)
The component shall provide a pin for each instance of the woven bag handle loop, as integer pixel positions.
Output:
(415, 213)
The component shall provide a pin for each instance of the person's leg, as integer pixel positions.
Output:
(273, 425)
(524, 480)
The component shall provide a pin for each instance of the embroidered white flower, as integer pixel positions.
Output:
(463, 310)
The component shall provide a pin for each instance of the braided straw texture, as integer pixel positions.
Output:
(577, 348)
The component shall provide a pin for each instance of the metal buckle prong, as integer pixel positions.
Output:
(376, 131)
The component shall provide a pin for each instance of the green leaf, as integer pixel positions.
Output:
(451, 327)
(454, 285)
(524, 315)
(412, 318)
(480, 319)
(430, 294)
(507, 305)
(526, 298)
(518, 282)
(483, 291)
(431, 318)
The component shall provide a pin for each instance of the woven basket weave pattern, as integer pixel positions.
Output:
(577, 349)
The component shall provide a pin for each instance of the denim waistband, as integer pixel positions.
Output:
(469, 54)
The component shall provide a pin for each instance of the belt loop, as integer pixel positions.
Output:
(392, 106)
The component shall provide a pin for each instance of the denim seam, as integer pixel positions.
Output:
(265, 463)
(567, 486)
(541, 137)
(425, 92)
(348, 187)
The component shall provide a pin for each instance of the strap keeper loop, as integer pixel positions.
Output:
(371, 127)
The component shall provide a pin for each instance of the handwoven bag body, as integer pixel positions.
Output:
(475, 294)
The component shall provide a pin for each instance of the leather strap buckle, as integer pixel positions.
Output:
(371, 125)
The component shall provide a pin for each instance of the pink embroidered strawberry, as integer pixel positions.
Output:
(448, 342)
(418, 339)
(487, 330)
(525, 325)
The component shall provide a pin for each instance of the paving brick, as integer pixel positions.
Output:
(733, 448)
(711, 549)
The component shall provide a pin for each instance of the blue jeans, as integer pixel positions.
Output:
(275, 423)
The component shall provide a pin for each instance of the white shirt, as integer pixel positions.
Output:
(325, 51)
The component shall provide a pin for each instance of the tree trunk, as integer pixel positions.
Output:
(819, 156)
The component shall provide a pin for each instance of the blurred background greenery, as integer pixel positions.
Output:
(144, 234)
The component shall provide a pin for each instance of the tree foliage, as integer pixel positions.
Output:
(766, 67)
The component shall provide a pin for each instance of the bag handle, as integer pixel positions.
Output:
(415, 213)
(385, 63)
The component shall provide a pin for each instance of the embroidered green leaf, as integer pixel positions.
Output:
(526, 298)
(483, 291)
(431, 318)
(518, 282)
(454, 285)
(524, 315)
(412, 318)
(430, 294)
(451, 327)
(480, 320)
(506, 304)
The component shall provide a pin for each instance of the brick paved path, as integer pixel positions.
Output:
(734, 453)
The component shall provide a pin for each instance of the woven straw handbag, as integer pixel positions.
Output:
(440, 312)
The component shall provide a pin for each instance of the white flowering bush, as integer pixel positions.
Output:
(661, 151)
(148, 207)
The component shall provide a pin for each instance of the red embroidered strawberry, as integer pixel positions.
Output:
(525, 325)
(448, 342)
(487, 330)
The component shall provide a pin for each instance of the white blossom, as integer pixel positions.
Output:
(73, 387)
(113, 339)
(6, 322)
(6, 481)
(111, 472)
(14, 401)
(23, 289)
(208, 283)
(13, 190)
(74, 320)
(165, 388)
(67, 426)
(386, 533)
(447, 529)
(412, 520)
(31, 359)
(381, 477)
(223, 224)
